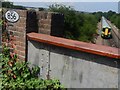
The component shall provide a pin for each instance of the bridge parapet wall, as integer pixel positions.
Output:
(76, 64)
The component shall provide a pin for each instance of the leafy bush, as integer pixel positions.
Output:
(17, 75)
(77, 25)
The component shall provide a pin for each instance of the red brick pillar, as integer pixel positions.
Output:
(17, 33)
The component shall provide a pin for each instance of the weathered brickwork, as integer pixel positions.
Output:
(32, 21)
(50, 23)
(17, 35)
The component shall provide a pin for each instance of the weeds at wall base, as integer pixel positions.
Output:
(17, 75)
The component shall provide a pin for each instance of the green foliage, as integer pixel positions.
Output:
(77, 26)
(7, 4)
(98, 15)
(17, 75)
(18, 7)
(88, 28)
(41, 9)
(115, 18)
(110, 15)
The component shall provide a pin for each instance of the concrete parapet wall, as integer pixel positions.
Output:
(74, 68)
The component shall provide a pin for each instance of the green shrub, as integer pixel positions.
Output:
(77, 25)
(16, 75)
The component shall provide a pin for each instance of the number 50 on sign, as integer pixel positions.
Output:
(12, 16)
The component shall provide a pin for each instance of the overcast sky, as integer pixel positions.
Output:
(80, 5)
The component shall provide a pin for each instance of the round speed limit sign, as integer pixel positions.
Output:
(12, 16)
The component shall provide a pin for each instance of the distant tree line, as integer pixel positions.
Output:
(110, 15)
(114, 18)
(7, 4)
(77, 25)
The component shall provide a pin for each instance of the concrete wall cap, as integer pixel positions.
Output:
(76, 45)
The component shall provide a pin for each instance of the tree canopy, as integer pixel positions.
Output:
(77, 25)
